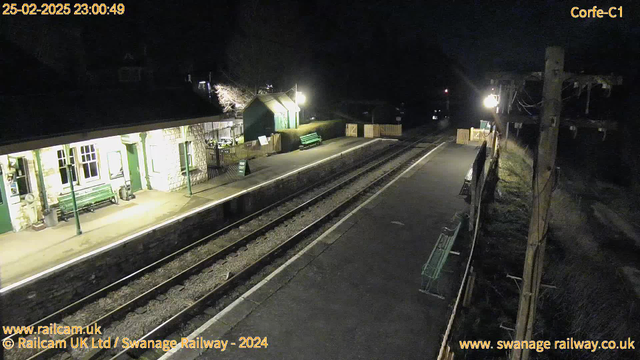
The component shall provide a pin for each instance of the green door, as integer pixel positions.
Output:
(134, 167)
(5, 219)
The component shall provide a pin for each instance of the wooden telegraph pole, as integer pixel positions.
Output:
(542, 187)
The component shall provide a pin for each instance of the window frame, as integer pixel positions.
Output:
(74, 167)
(86, 159)
(22, 163)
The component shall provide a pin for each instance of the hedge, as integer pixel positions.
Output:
(327, 129)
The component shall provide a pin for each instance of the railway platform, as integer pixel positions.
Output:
(353, 292)
(26, 254)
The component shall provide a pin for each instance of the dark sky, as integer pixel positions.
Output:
(357, 49)
(389, 48)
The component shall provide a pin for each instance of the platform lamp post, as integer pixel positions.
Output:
(186, 157)
(446, 94)
(73, 193)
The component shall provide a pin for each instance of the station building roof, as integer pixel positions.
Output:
(31, 122)
(276, 102)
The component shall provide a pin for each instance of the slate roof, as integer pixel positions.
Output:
(41, 116)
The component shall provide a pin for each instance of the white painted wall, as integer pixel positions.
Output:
(163, 163)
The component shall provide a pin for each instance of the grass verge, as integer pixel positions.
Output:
(591, 300)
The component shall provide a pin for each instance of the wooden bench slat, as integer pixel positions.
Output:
(310, 139)
(86, 197)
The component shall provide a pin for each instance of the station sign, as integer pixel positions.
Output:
(243, 168)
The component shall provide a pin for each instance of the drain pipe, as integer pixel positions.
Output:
(143, 138)
(43, 190)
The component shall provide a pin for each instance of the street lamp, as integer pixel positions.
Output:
(300, 98)
(446, 92)
(490, 101)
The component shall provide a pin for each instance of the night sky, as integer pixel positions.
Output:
(402, 51)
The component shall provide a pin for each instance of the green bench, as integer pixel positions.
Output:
(86, 198)
(310, 140)
(432, 269)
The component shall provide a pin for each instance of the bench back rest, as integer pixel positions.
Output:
(308, 137)
(439, 254)
(90, 194)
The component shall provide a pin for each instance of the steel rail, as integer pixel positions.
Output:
(61, 313)
(164, 286)
(170, 324)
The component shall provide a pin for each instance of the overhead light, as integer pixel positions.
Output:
(491, 101)
(300, 98)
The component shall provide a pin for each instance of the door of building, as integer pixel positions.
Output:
(5, 218)
(134, 167)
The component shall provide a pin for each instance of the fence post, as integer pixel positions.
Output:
(217, 150)
(476, 183)
(468, 292)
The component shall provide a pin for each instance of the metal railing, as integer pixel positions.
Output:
(477, 186)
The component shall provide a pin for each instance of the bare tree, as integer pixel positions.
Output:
(233, 98)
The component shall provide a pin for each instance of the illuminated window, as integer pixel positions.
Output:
(22, 176)
(62, 166)
(89, 159)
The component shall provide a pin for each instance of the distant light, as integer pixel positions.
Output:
(446, 91)
(490, 101)
(434, 117)
(300, 98)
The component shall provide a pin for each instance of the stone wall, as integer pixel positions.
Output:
(44, 295)
(22, 214)
(164, 153)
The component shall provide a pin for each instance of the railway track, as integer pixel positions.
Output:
(260, 238)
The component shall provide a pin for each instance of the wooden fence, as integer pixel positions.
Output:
(479, 135)
(351, 130)
(463, 137)
(230, 156)
(390, 130)
(475, 136)
(377, 130)
(371, 130)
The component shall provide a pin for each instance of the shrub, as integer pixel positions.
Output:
(327, 129)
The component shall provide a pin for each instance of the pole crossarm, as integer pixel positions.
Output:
(584, 79)
(564, 122)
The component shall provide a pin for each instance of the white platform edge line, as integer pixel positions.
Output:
(174, 219)
(243, 297)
